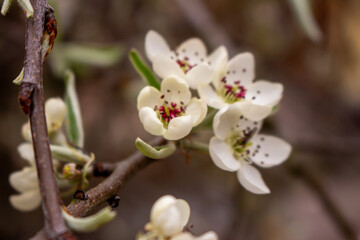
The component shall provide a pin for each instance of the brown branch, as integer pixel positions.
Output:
(123, 171)
(31, 99)
(310, 178)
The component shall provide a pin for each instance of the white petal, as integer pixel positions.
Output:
(218, 58)
(200, 74)
(252, 111)
(211, 97)
(271, 151)
(250, 178)
(151, 122)
(26, 201)
(160, 205)
(208, 236)
(265, 93)
(155, 45)
(241, 68)
(183, 236)
(178, 128)
(170, 215)
(56, 111)
(26, 152)
(222, 155)
(193, 49)
(164, 66)
(26, 132)
(148, 97)
(176, 90)
(24, 180)
(197, 109)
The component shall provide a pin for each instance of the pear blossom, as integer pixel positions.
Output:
(168, 218)
(25, 182)
(189, 61)
(170, 112)
(236, 85)
(237, 146)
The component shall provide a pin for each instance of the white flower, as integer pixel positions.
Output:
(189, 61)
(237, 145)
(25, 182)
(188, 236)
(168, 218)
(25, 4)
(170, 112)
(236, 85)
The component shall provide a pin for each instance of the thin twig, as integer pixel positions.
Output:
(31, 98)
(123, 171)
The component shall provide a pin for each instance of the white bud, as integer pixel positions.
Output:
(55, 110)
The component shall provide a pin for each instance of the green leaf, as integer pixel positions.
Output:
(143, 70)
(91, 223)
(155, 153)
(74, 124)
(19, 78)
(69, 154)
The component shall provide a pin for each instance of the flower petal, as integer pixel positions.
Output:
(193, 49)
(155, 45)
(148, 97)
(151, 122)
(26, 201)
(252, 111)
(265, 93)
(241, 68)
(56, 111)
(170, 215)
(164, 66)
(250, 178)
(178, 128)
(24, 180)
(269, 151)
(222, 155)
(26, 152)
(176, 90)
(212, 99)
(200, 74)
(208, 236)
(197, 109)
(218, 58)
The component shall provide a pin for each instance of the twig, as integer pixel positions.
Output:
(123, 171)
(310, 178)
(32, 101)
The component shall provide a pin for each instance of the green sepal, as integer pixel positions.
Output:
(155, 152)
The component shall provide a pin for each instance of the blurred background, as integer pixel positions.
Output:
(314, 52)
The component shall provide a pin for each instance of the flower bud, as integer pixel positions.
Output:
(55, 109)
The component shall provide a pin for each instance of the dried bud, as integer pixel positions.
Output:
(114, 201)
(80, 194)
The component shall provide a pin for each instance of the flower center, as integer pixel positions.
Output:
(240, 143)
(169, 111)
(185, 65)
(231, 92)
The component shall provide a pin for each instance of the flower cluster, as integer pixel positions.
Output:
(168, 218)
(226, 86)
(66, 143)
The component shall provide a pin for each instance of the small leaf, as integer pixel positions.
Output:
(91, 223)
(19, 78)
(143, 70)
(69, 154)
(74, 126)
(155, 153)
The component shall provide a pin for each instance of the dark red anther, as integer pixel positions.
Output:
(173, 105)
(25, 97)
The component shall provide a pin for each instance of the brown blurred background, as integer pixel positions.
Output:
(319, 114)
